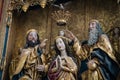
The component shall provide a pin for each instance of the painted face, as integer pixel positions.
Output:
(92, 25)
(60, 44)
(32, 37)
(61, 33)
(93, 33)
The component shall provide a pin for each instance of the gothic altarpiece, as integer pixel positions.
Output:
(23, 15)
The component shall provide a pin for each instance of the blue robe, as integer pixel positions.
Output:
(108, 67)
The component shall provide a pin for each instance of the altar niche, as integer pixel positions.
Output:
(34, 18)
(106, 11)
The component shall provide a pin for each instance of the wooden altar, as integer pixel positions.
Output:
(106, 11)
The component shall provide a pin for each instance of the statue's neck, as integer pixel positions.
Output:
(63, 53)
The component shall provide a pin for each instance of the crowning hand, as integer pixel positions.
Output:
(69, 35)
(43, 43)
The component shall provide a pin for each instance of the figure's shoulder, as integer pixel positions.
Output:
(24, 52)
(104, 36)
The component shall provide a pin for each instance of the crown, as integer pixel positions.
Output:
(61, 17)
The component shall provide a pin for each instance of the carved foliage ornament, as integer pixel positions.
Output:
(24, 4)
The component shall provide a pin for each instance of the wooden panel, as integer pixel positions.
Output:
(1, 7)
(9, 49)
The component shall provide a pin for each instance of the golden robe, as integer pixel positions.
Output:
(28, 61)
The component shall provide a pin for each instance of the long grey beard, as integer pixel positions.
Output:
(93, 37)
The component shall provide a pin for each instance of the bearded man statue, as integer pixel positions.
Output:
(32, 63)
(96, 53)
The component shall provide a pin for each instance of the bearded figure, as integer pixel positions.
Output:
(32, 64)
(96, 54)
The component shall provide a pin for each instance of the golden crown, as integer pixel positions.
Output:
(61, 17)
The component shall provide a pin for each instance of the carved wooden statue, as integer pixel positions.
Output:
(101, 62)
(63, 66)
(32, 64)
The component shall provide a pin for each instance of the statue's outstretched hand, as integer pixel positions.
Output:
(43, 43)
(69, 35)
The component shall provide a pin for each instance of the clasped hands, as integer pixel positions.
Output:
(61, 62)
